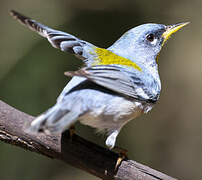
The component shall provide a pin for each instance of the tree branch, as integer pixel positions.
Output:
(75, 151)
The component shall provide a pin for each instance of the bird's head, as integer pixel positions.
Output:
(143, 43)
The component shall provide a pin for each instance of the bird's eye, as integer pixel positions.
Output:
(150, 37)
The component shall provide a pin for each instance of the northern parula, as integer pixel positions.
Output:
(117, 84)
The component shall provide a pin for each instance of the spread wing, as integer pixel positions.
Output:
(58, 39)
(116, 78)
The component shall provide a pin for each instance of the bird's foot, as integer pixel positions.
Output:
(122, 155)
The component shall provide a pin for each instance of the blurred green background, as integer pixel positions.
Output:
(31, 77)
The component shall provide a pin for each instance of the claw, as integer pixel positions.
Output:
(122, 155)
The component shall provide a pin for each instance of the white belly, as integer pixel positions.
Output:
(114, 115)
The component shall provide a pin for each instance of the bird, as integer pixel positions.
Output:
(115, 85)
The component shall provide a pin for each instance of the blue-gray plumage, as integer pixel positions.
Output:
(118, 84)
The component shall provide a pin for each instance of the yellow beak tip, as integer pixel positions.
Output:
(171, 29)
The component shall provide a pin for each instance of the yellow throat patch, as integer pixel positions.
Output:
(106, 57)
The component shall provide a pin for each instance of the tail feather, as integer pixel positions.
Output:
(54, 121)
(64, 123)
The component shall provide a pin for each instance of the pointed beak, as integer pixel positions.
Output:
(172, 29)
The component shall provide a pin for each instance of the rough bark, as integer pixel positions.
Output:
(75, 151)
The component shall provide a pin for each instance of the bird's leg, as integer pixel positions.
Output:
(122, 155)
(111, 139)
(72, 131)
(110, 142)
